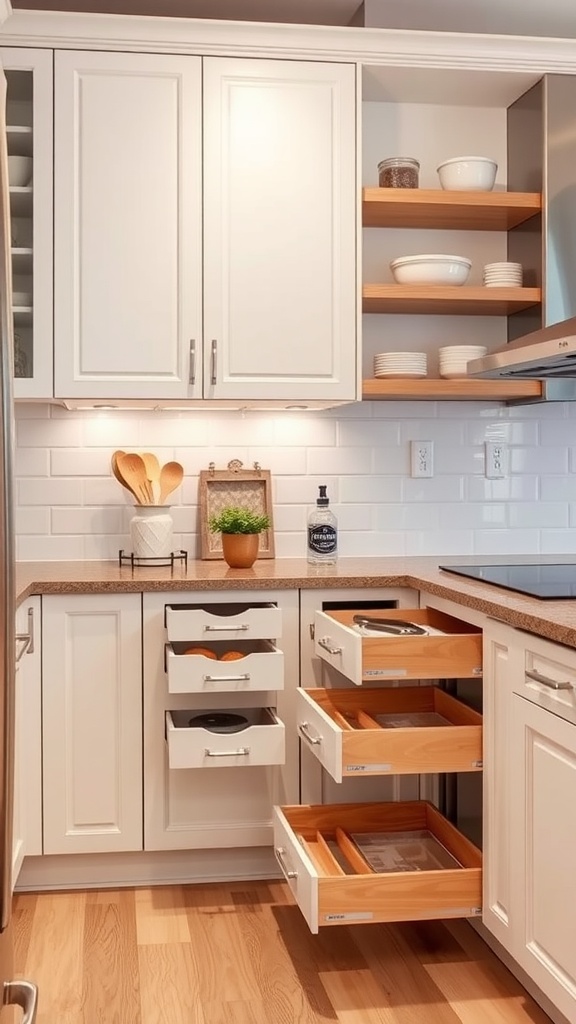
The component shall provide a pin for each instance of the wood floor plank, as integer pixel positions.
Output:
(54, 959)
(23, 909)
(433, 942)
(169, 990)
(219, 944)
(111, 984)
(481, 992)
(355, 996)
(161, 916)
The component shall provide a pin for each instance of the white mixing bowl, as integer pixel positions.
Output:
(433, 268)
(468, 174)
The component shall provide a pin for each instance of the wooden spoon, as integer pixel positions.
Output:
(170, 477)
(133, 471)
(116, 471)
(153, 474)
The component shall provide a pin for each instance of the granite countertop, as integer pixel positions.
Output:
(555, 620)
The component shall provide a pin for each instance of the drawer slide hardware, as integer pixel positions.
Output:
(241, 752)
(280, 857)
(304, 729)
(326, 645)
(553, 684)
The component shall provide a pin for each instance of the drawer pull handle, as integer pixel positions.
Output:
(225, 629)
(324, 642)
(303, 727)
(26, 640)
(227, 679)
(546, 681)
(280, 857)
(241, 752)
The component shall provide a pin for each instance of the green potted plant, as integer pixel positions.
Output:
(240, 529)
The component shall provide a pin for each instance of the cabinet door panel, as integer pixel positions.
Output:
(279, 229)
(128, 216)
(92, 723)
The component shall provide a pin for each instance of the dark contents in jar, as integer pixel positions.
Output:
(395, 173)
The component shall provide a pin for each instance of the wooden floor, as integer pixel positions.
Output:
(242, 954)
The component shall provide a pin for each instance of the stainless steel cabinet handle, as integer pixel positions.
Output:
(225, 629)
(241, 752)
(324, 642)
(280, 857)
(24, 994)
(312, 738)
(27, 639)
(546, 681)
(192, 376)
(213, 356)
(227, 679)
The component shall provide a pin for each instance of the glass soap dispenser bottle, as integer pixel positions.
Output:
(322, 532)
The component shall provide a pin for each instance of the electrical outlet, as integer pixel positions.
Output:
(421, 458)
(495, 460)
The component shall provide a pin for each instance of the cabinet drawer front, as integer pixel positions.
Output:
(223, 622)
(549, 678)
(260, 743)
(341, 728)
(261, 668)
(355, 894)
(453, 649)
(297, 868)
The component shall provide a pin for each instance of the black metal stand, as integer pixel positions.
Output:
(141, 560)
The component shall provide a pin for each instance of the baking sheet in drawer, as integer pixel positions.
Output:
(226, 666)
(230, 621)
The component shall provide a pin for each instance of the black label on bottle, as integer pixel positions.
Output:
(322, 539)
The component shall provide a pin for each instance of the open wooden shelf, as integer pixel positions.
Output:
(464, 390)
(434, 208)
(448, 299)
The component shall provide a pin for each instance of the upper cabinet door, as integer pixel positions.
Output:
(29, 136)
(128, 305)
(279, 229)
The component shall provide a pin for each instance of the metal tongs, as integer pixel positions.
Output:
(397, 627)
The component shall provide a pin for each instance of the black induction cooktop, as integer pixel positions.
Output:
(547, 582)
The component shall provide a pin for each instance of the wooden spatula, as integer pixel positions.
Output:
(153, 474)
(170, 477)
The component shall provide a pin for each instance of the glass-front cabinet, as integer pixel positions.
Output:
(30, 169)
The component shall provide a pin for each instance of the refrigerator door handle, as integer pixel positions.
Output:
(24, 994)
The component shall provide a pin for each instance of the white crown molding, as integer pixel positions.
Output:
(5, 10)
(388, 47)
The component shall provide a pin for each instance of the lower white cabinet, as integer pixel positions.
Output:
(204, 790)
(27, 819)
(92, 723)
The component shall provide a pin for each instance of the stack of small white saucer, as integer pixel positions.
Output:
(503, 275)
(454, 359)
(400, 364)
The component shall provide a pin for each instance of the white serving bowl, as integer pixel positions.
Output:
(468, 174)
(19, 170)
(464, 351)
(433, 268)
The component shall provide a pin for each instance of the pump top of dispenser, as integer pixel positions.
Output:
(322, 500)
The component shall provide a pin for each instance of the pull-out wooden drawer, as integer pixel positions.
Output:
(261, 742)
(396, 731)
(238, 621)
(449, 649)
(334, 883)
(260, 667)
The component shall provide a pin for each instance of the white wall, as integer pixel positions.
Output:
(70, 506)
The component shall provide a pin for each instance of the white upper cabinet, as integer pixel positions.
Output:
(29, 135)
(279, 229)
(275, 222)
(128, 224)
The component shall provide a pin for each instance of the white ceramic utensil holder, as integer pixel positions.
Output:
(151, 531)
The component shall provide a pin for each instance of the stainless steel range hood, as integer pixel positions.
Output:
(545, 354)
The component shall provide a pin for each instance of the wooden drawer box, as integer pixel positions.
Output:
(261, 668)
(340, 729)
(344, 889)
(454, 652)
(223, 622)
(261, 743)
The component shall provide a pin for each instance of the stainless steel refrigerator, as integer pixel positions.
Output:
(23, 993)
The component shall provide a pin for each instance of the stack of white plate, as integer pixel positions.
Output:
(455, 358)
(503, 275)
(400, 364)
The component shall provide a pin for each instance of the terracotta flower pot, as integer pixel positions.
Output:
(240, 549)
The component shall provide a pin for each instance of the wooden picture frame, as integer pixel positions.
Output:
(250, 488)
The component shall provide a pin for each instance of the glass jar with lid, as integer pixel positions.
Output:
(398, 172)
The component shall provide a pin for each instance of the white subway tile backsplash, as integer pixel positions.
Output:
(69, 506)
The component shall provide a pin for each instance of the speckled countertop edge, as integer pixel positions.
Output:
(555, 620)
